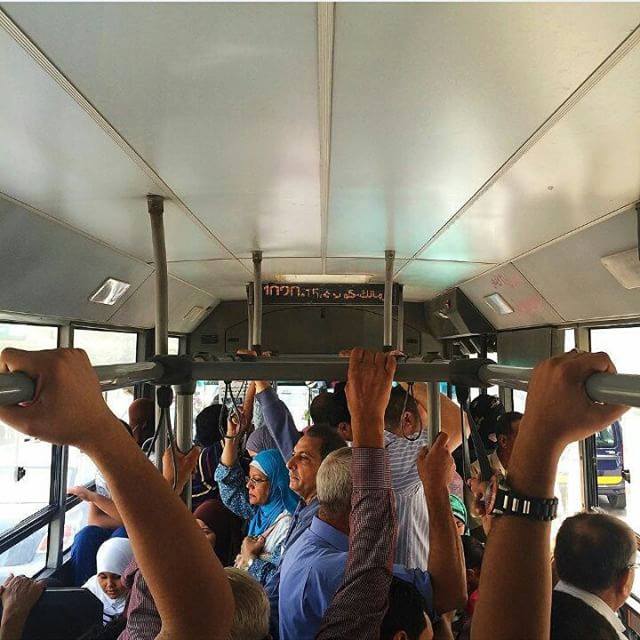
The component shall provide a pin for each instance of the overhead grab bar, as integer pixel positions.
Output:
(601, 387)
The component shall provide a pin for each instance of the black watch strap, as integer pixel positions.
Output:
(509, 503)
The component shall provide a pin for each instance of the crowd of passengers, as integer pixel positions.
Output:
(353, 528)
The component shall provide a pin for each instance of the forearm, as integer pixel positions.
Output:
(359, 606)
(98, 518)
(12, 626)
(446, 558)
(107, 506)
(182, 573)
(522, 543)
(249, 400)
(229, 452)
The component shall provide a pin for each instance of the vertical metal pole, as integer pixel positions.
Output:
(257, 300)
(587, 448)
(59, 474)
(250, 317)
(156, 209)
(433, 410)
(184, 426)
(400, 334)
(389, 257)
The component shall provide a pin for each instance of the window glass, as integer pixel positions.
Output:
(74, 520)
(25, 463)
(569, 340)
(103, 348)
(174, 346)
(296, 397)
(206, 393)
(615, 446)
(27, 557)
(106, 347)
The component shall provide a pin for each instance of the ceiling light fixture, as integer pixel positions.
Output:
(110, 291)
(498, 304)
(318, 278)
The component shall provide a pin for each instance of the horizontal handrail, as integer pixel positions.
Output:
(601, 387)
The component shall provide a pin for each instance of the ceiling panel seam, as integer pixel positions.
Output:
(582, 90)
(564, 236)
(129, 297)
(65, 83)
(70, 227)
(326, 38)
(533, 286)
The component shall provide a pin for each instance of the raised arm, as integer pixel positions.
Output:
(449, 413)
(186, 580)
(558, 412)
(446, 557)
(277, 418)
(359, 606)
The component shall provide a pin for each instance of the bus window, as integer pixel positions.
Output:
(206, 394)
(618, 468)
(174, 346)
(568, 483)
(296, 397)
(103, 348)
(27, 557)
(25, 463)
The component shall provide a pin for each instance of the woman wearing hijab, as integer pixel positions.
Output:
(460, 514)
(264, 499)
(208, 437)
(112, 559)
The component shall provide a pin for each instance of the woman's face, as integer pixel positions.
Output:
(460, 526)
(208, 534)
(111, 584)
(258, 485)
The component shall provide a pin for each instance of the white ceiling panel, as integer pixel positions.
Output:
(55, 158)
(50, 270)
(429, 100)
(213, 276)
(425, 278)
(586, 166)
(530, 308)
(361, 266)
(287, 266)
(220, 99)
(138, 310)
(571, 277)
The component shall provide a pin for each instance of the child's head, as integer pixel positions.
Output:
(113, 557)
(473, 554)
(111, 584)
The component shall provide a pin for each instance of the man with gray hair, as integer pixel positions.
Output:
(251, 615)
(314, 566)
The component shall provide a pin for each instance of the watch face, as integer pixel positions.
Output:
(490, 494)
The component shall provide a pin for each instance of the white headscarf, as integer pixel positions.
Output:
(113, 557)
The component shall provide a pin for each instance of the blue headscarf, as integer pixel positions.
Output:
(281, 498)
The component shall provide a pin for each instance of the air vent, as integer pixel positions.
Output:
(624, 267)
(193, 314)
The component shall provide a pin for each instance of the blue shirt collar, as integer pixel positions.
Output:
(330, 534)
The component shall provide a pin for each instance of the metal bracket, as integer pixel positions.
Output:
(178, 370)
(466, 372)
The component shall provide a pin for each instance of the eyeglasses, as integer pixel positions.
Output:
(255, 482)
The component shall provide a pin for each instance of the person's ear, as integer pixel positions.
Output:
(625, 584)
(400, 635)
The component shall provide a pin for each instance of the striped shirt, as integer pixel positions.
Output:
(412, 543)
(143, 619)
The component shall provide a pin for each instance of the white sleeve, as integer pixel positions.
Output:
(278, 534)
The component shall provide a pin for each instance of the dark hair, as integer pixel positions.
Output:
(320, 408)
(207, 425)
(593, 550)
(398, 401)
(504, 424)
(486, 410)
(329, 437)
(473, 552)
(405, 613)
(339, 408)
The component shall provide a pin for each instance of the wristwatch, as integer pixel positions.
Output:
(509, 503)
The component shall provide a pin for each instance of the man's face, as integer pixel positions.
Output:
(506, 443)
(303, 467)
